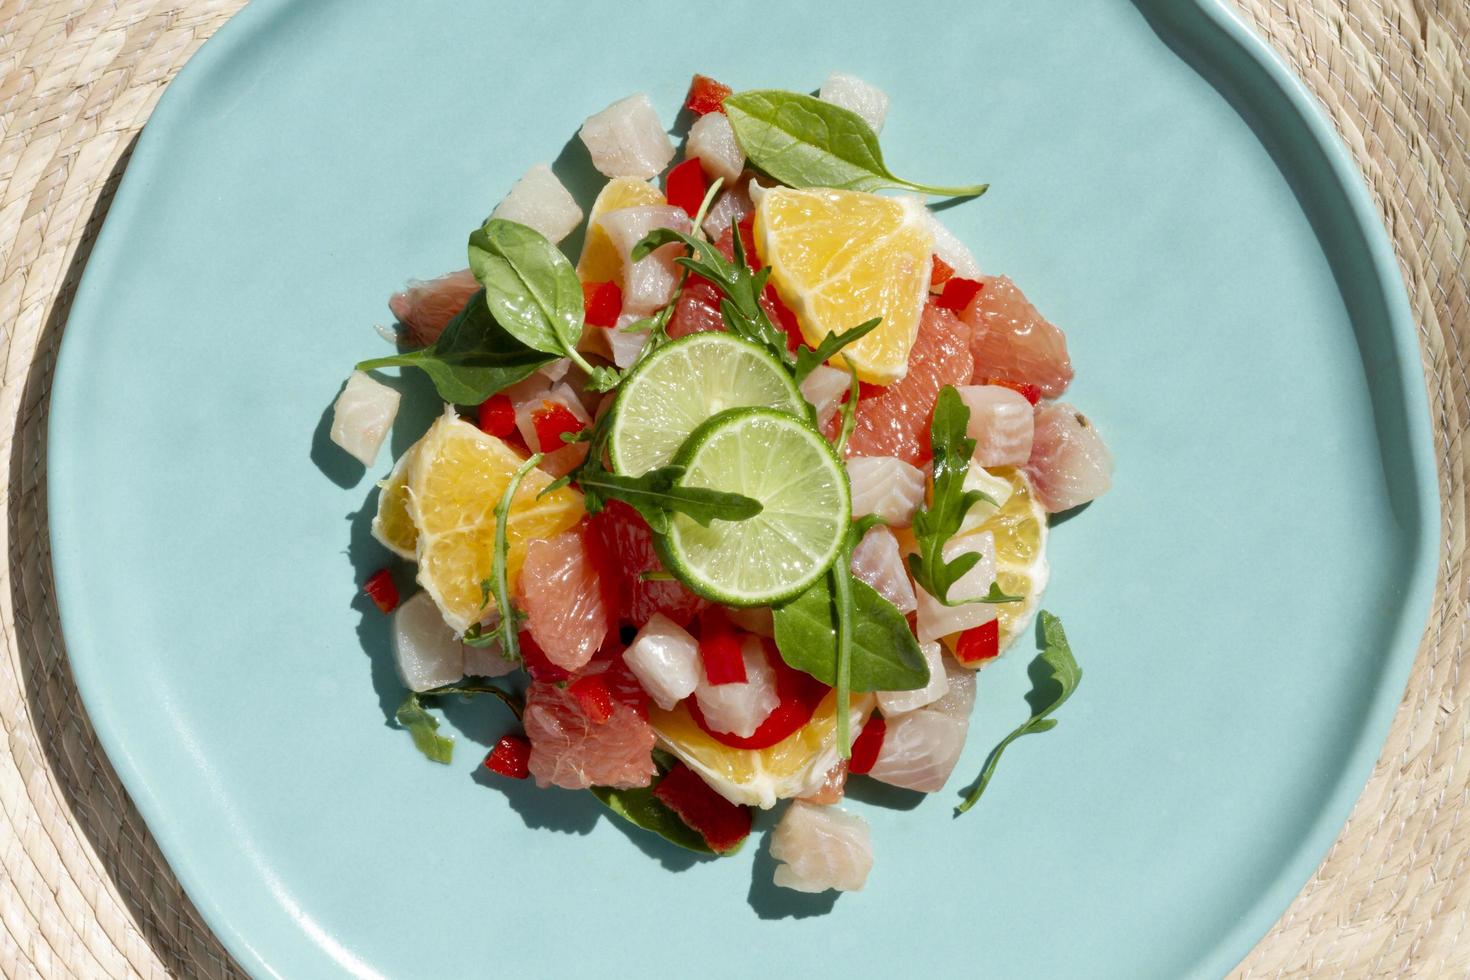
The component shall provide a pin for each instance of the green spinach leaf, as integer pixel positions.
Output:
(805, 142)
(885, 654)
(1059, 676)
(473, 358)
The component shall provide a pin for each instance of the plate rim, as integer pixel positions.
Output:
(1221, 30)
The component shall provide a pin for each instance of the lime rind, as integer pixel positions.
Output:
(782, 461)
(681, 385)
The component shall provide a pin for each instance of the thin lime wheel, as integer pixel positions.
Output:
(806, 506)
(682, 384)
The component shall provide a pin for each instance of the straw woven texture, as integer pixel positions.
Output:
(83, 889)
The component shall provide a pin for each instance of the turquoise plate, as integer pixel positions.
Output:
(1246, 602)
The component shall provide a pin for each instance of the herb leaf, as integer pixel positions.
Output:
(885, 654)
(424, 728)
(849, 415)
(805, 142)
(1060, 676)
(657, 496)
(807, 360)
(473, 358)
(936, 523)
(508, 629)
(642, 809)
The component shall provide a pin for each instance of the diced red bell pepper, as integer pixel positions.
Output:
(866, 746)
(979, 644)
(551, 421)
(958, 293)
(799, 694)
(941, 273)
(1031, 392)
(720, 649)
(510, 757)
(706, 95)
(497, 416)
(722, 824)
(593, 697)
(685, 186)
(536, 663)
(381, 588)
(602, 303)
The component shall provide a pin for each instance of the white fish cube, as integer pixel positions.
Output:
(665, 659)
(1070, 464)
(853, 93)
(821, 848)
(624, 347)
(739, 709)
(824, 388)
(362, 416)
(920, 750)
(876, 561)
(951, 251)
(526, 409)
(540, 201)
(487, 662)
(997, 489)
(712, 142)
(1002, 424)
(887, 487)
(729, 208)
(648, 284)
(754, 619)
(627, 139)
(428, 653)
(959, 700)
(937, 619)
(896, 703)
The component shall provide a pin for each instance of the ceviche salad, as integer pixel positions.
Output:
(731, 510)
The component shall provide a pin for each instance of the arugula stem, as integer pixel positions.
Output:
(510, 643)
(842, 596)
(973, 190)
(509, 699)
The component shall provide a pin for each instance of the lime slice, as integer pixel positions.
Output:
(682, 384)
(784, 463)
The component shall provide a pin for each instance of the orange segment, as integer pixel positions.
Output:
(839, 258)
(600, 261)
(795, 766)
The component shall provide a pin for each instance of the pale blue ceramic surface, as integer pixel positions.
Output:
(1246, 602)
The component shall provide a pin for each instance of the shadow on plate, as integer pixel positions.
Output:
(773, 902)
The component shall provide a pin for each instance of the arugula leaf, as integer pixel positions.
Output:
(939, 521)
(473, 358)
(657, 496)
(424, 728)
(885, 655)
(808, 360)
(1060, 675)
(805, 142)
(508, 629)
(642, 809)
(533, 290)
(510, 699)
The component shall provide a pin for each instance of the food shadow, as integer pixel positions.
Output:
(770, 901)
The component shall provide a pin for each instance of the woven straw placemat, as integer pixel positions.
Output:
(83, 889)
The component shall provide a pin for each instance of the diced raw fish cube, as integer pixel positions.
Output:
(540, 201)
(831, 790)
(665, 659)
(712, 142)
(1001, 423)
(959, 700)
(739, 709)
(627, 139)
(887, 487)
(920, 750)
(428, 653)
(853, 93)
(824, 388)
(648, 283)
(951, 251)
(531, 386)
(937, 619)
(896, 703)
(754, 619)
(821, 848)
(729, 208)
(877, 562)
(994, 487)
(622, 346)
(487, 662)
(1070, 464)
(362, 416)
(526, 409)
